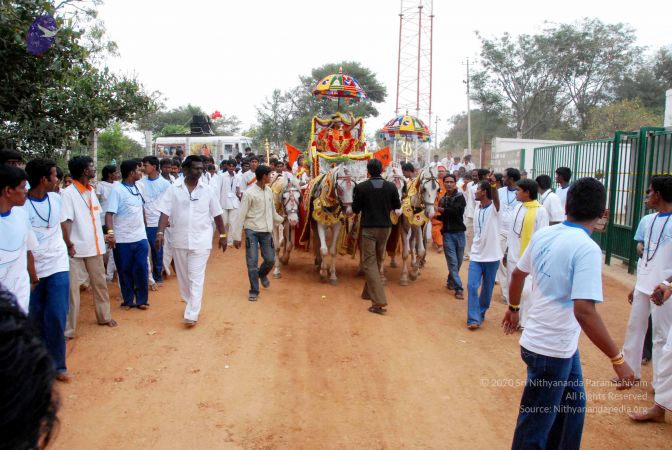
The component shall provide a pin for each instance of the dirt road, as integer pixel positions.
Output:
(308, 367)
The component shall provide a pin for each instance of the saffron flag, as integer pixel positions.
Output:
(383, 156)
(292, 154)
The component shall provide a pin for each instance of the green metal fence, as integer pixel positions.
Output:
(624, 164)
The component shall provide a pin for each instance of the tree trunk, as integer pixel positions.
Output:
(148, 142)
(93, 150)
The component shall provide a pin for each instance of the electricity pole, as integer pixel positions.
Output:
(468, 111)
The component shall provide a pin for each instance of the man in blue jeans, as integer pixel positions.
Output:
(566, 268)
(49, 300)
(452, 206)
(127, 236)
(485, 252)
(257, 215)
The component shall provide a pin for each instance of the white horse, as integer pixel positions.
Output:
(417, 211)
(331, 199)
(287, 198)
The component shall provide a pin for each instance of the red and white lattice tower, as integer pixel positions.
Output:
(414, 64)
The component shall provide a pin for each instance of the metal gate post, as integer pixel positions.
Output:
(613, 190)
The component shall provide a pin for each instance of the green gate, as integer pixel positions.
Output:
(624, 164)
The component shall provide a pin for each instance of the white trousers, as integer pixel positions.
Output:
(167, 250)
(636, 332)
(190, 271)
(663, 396)
(229, 216)
(502, 272)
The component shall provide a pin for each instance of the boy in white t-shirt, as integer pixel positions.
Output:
(126, 235)
(550, 200)
(49, 299)
(17, 240)
(528, 218)
(566, 269)
(562, 177)
(655, 265)
(152, 187)
(508, 201)
(485, 252)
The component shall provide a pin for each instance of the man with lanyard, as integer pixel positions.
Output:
(249, 177)
(550, 200)
(17, 239)
(470, 196)
(566, 268)
(451, 206)
(507, 198)
(124, 219)
(152, 188)
(257, 215)
(228, 193)
(83, 235)
(375, 198)
(166, 165)
(655, 266)
(528, 218)
(190, 205)
(562, 177)
(49, 299)
(485, 252)
(663, 393)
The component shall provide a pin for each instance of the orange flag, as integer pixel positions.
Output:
(383, 156)
(292, 154)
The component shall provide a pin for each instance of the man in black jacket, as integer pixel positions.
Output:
(375, 198)
(451, 206)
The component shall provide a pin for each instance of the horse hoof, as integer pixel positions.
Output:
(403, 282)
(277, 275)
(393, 264)
(413, 277)
(333, 282)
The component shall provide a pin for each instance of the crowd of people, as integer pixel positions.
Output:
(61, 233)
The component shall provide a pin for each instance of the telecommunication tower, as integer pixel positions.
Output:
(414, 63)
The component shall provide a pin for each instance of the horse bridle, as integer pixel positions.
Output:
(290, 198)
(347, 178)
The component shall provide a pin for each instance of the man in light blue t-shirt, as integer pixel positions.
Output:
(126, 235)
(566, 268)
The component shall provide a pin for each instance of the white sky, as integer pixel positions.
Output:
(228, 56)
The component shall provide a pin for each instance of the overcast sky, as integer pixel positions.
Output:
(228, 56)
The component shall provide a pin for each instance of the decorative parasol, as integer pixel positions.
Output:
(406, 127)
(340, 86)
(41, 35)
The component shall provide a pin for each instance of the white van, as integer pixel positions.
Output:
(219, 147)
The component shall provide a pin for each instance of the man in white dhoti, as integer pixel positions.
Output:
(190, 205)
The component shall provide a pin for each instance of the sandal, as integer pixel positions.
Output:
(377, 310)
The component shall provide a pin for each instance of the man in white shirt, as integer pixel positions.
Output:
(485, 252)
(229, 194)
(17, 239)
(103, 189)
(83, 235)
(190, 205)
(655, 265)
(562, 177)
(528, 218)
(566, 268)
(152, 188)
(472, 205)
(249, 177)
(49, 298)
(257, 216)
(124, 219)
(435, 162)
(455, 166)
(468, 165)
(550, 200)
(507, 198)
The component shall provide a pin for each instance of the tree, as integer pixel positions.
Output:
(623, 115)
(484, 126)
(226, 125)
(48, 101)
(113, 144)
(662, 67)
(591, 58)
(520, 73)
